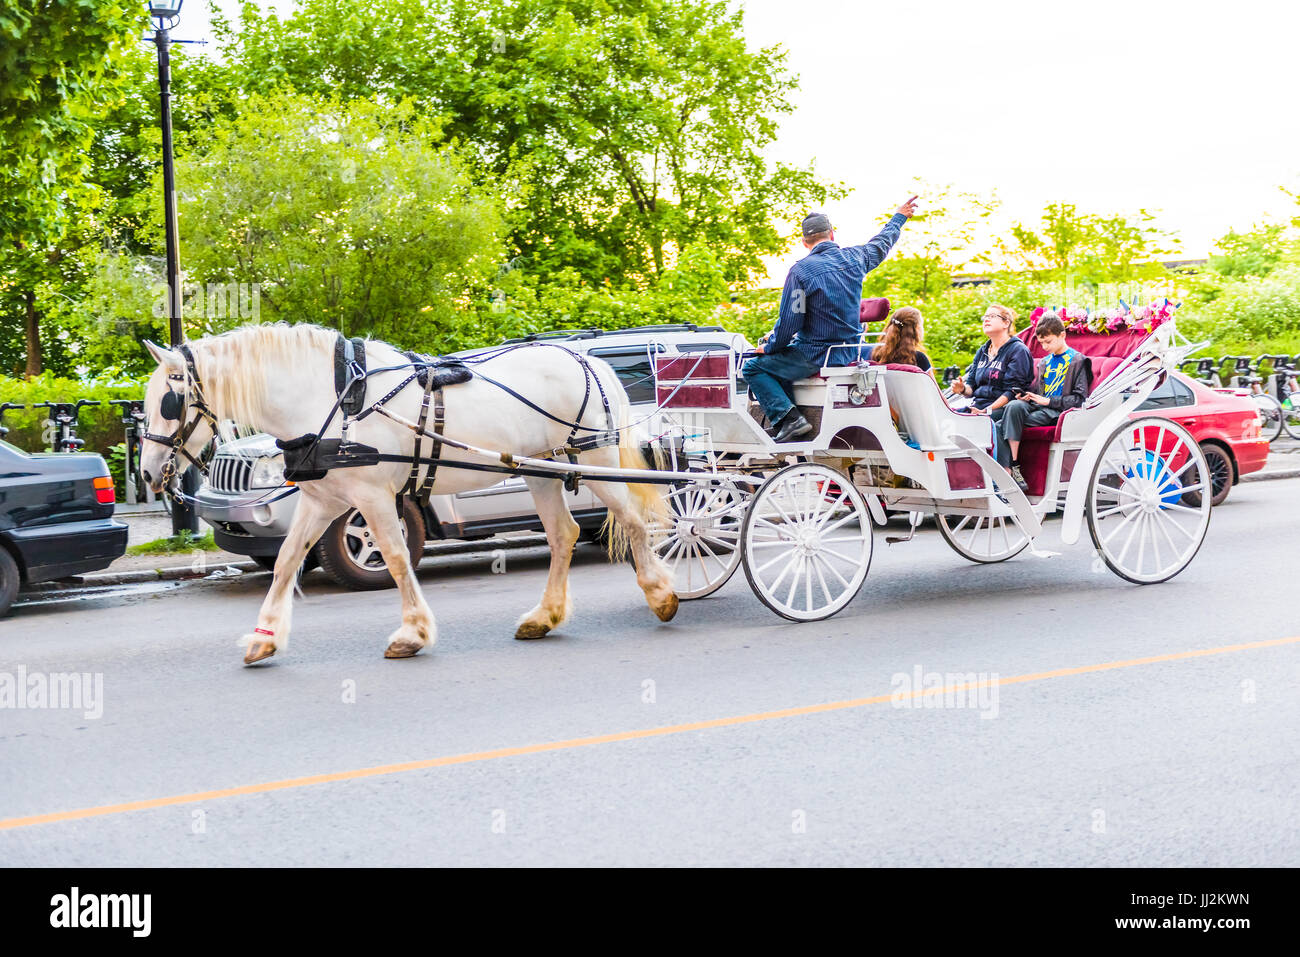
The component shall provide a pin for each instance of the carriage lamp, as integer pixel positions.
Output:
(166, 12)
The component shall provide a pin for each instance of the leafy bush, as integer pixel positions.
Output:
(100, 426)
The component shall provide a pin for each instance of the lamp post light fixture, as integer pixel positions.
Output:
(166, 14)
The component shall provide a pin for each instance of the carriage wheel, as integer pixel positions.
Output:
(1138, 511)
(807, 542)
(700, 544)
(983, 538)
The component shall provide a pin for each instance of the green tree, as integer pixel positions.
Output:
(1252, 253)
(344, 214)
(943, 239)
(1090, 247)
(626, 130)
(59, 68)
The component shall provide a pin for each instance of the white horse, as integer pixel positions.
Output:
(279, 379)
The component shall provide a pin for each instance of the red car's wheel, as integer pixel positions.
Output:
(1220, 465)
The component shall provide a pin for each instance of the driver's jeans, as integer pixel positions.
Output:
(771, 377)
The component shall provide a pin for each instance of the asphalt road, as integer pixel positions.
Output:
(1186, 759)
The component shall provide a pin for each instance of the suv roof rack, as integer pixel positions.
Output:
(592, 333)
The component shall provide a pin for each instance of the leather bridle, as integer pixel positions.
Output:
(174, 407)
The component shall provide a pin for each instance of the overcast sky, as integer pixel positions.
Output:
(1187, 108)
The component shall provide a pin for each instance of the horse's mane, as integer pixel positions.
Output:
(234, 367)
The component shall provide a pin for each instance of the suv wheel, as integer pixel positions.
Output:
(349, 555)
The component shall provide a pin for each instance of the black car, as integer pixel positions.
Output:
(56, 518)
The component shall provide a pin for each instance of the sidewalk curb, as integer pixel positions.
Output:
(179, 572)
(1270, 474)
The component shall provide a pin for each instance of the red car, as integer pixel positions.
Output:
(1225, 422)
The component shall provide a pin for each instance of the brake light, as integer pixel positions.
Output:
(104, 493)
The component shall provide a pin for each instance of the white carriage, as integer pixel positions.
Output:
(800, 517)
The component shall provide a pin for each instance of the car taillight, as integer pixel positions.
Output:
(1254, 428)
(104, 493)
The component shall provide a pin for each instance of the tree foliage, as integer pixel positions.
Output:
(346, 214)
(626, 130)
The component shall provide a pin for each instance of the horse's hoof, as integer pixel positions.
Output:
(403, 649)
(668, 609)
(529, 630)
(259, 650)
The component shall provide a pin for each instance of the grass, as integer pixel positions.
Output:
(184, 542)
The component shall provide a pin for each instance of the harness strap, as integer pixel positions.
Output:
(350, 374)
(438, 416)
(411, 480)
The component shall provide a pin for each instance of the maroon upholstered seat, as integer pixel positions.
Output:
(873, 310)
(901, 367)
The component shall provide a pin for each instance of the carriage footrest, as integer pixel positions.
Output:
(306, 458)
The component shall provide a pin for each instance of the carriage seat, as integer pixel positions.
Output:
(917, 402)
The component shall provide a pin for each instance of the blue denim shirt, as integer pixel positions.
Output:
(819, 305)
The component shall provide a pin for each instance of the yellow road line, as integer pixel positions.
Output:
(268, 786)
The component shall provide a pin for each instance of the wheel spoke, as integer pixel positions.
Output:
(1118, 508)
(794, 581)
(1118, 528)
(836, 572)
(1160, 524)
(821, 579)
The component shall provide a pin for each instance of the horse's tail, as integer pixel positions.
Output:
(648, 500)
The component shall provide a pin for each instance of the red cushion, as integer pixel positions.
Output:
(873, 310)
(902, 367)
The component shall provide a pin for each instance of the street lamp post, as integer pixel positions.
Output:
(165, 14)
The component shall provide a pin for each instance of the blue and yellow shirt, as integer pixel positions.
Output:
(1054, 371)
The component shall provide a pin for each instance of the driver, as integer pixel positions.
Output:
(819, 309)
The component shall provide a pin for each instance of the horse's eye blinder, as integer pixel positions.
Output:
(172, 405)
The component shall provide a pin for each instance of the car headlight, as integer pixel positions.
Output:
(268, 472)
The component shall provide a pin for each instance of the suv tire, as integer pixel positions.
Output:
(348, 554)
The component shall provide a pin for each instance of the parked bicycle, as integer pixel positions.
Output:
(133, 418)
(63, 416)
(1247, 374)
(4, 429)
(1286, 383)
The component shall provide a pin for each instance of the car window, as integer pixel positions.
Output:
(1183, 392)
(702, 347)
(633, 369)
(1164, 397)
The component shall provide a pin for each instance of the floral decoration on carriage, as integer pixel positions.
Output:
(1103, 322)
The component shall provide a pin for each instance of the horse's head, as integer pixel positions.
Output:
(178, 421)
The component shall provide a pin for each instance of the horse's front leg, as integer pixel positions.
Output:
(561, 536)
(418, 629)
(310, 520)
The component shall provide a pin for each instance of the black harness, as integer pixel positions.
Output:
(310, 457)
(173, 408)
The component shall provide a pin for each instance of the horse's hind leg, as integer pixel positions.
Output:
(561, 536)
(417, 630)
(310, 520)
(651, 573)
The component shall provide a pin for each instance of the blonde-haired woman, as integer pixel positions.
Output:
(1002, 366)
